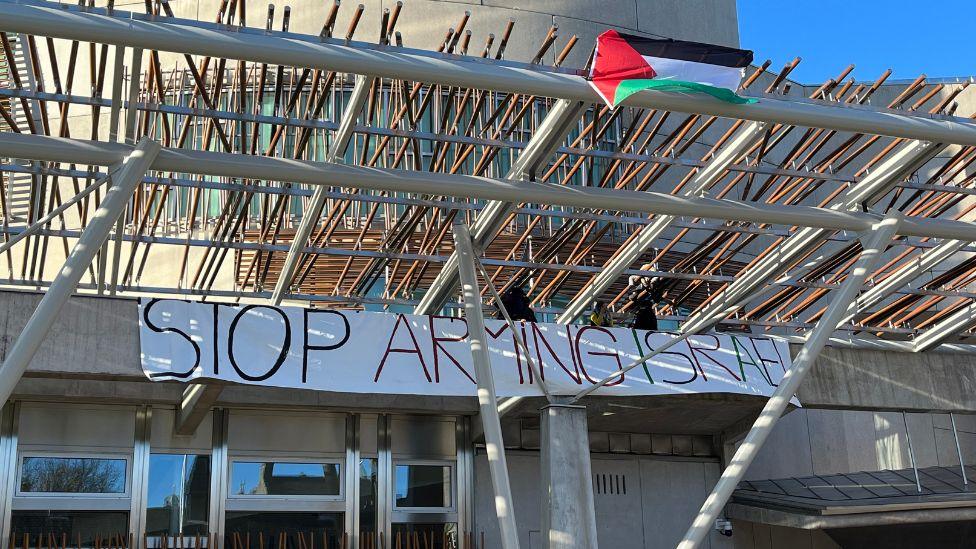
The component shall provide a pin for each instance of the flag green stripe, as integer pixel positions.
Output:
(630, 87)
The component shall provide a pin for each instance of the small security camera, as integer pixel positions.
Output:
(724, 527)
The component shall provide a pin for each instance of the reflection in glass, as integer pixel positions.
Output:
(431, 535)
(268, 529)
(284, 479)
(73, 475)
(179, 495)
(367, 494)
(423, 486)
(76, 528)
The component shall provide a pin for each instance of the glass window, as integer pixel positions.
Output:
(70, 528)
(367, 494)
(72, 475)
(431, 535)
(297, 530)
(423, 485)
(179, 495)
(284, 478)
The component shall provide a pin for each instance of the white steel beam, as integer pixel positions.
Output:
(39, 225)
(125, 181)
(635, 248)
(562, 117)
(78, 151)
(875, 244)
(925, 262)
(310, 218)
(961, 320)
(487, 399)
(906, 160)
(251, 44)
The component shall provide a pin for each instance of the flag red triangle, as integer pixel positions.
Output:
(615, 61)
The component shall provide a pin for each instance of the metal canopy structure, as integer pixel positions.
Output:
(273, 166)
(414, 140)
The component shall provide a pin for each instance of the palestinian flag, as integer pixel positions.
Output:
(624, 64)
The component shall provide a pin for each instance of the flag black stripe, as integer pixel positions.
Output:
(689, 51)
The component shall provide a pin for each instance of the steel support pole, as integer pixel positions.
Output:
(568, 509)
(955, 437)
(487, 399)
(360, 93)
(39, 225)
(519, 342)
(125, 180)
(876, 242)
(911, 452)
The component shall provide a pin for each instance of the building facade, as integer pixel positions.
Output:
(95, 454)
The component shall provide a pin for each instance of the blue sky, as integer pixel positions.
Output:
(911, 38)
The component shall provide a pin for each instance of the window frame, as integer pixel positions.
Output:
(126, 494)
(176, 452)
(280, 502)
(451, 508)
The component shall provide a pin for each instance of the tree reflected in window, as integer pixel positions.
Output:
(73, 475)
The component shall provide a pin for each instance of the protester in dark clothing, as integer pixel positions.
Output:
(645, 318)
(517, 304)
(645, 293)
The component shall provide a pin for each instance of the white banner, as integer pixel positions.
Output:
(367, 352)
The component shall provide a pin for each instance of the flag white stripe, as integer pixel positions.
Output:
(690, 71)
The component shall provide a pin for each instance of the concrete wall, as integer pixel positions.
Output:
(656, 500)
(641, 501)
(648, 501)
(822, 442)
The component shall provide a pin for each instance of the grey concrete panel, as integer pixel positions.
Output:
(423, 24)
(699, 20)
(640, 443)
(90, 335)
(619, 443)
(661, 444)
(49, 424)
(821, 540)
(762, 537)
(673, 491)
(712, 472)
(599, 442)
(923, 439)
(858, 427)
(618, 509)
(743, 534)
(830, 455)
(523, 470)
(782, 537)
(850, 378)
(621, 13)
(787, 451)
(892, 449)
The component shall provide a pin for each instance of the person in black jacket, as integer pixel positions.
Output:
(517, 304)
(645, 293)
